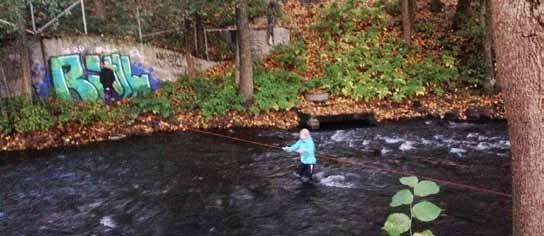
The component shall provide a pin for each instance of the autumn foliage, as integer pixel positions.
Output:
(350, 49)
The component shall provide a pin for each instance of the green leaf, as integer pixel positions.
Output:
(410, 181)
(402, 197)
(424, 233)
(426, 188)
(426, 211)
(396, 224)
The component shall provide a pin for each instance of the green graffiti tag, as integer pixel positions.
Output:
(72, 81)
(67, 73)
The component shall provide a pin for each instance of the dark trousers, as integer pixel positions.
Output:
(110, 95)
(306, 170)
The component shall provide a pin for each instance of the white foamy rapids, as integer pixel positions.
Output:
(366, 142)
(427, 142)
(390, 140)
(406, 146)
(501, 144)
(452, 141)
(481, 137)
(385, 151)
(458, 151)
(459, 125)
(337, 181)
(339, 136)
(108, 222)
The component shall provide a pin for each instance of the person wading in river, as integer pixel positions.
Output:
(305, 147)
(107, 78)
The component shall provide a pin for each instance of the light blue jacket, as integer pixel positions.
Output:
(308, 150)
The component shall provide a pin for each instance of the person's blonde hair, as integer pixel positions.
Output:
(304, 132)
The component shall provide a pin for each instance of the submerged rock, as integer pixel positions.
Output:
(458, 151)
(452, 115)
(243, 194)
(473, 115)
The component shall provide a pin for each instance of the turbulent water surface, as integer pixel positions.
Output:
(190, 184)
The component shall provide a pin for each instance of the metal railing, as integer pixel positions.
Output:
(141, 35)
(35, 31)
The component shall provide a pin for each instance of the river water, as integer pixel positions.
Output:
(191, 184)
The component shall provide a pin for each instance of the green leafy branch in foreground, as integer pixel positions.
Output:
(425, 211)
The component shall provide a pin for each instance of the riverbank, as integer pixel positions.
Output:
(451, 107)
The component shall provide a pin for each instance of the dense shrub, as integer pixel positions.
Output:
(366, 65)
(23, 115)
(5, 126)
(222, 101)
(121, 114)
(472, 66)
(337, 19)
(392, 7)
(275, 90)
(154, 104)
(292, 56)
(197, 90)
(81, 112)
(212, 96)
(32, 117)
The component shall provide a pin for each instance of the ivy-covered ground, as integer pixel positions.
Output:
(350, 49)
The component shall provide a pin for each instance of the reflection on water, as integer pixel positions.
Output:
(189, 184)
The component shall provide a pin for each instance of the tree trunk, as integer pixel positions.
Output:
(489, 83)
(406, 21)
(272, 11)
(25, 73)
(201, 48)
(246, 62)
(520, 72)
(436, 6)
(189, 46)
(462, 14)
(412, 11)
(5, 84)
(99, 9)
(237, 71)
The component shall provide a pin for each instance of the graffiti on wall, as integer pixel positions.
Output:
(41, 82)
(74, 80)
(170, 59)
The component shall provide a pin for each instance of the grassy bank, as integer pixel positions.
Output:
(350, 49)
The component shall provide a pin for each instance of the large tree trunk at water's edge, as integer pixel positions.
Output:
(520, 71)
(246, 62)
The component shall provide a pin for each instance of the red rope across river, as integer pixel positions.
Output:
(370, 166)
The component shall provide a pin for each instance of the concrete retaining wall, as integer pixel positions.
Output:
(69, 66)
